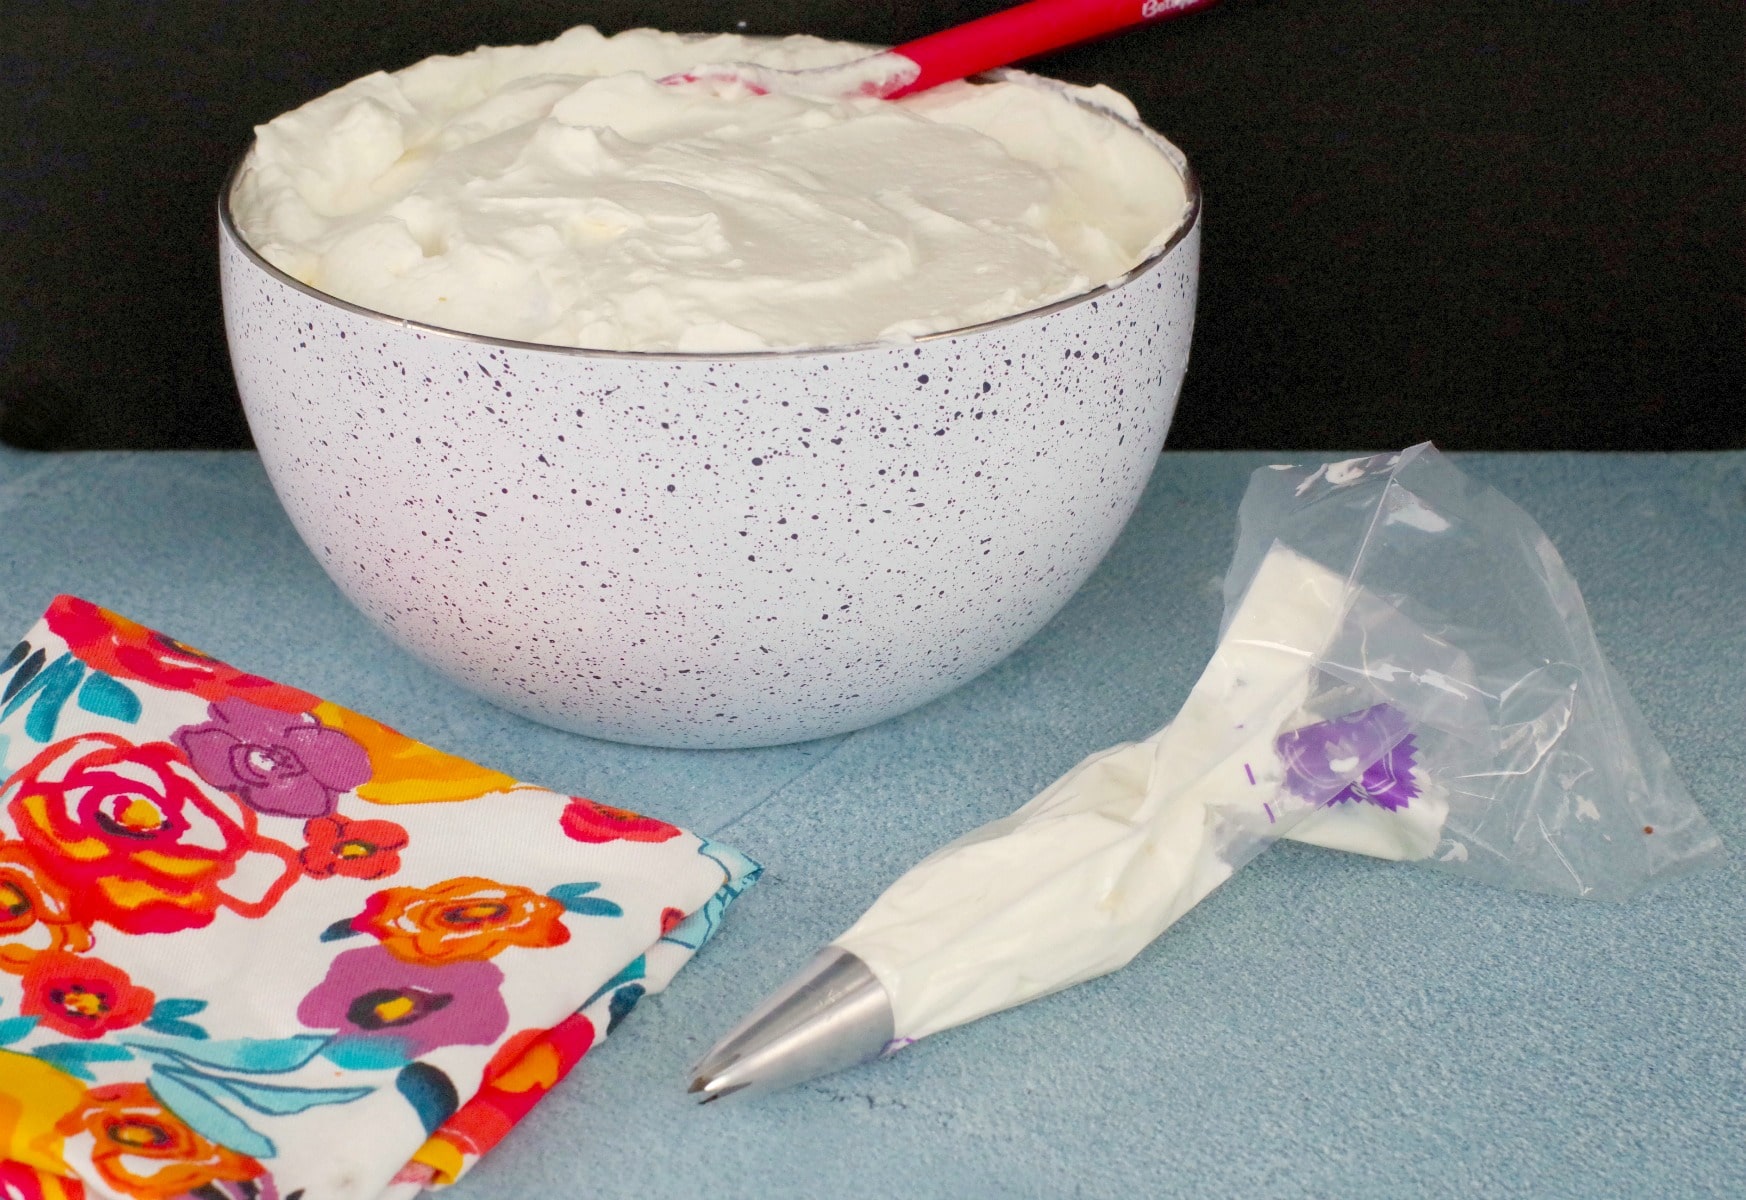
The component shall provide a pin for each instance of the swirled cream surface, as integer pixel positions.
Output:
(560, 193)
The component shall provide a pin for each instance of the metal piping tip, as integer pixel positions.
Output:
(833, 1014)
(710, 1096)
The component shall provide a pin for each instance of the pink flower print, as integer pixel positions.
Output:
(282, 764)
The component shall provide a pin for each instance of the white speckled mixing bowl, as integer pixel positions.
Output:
(711, 550)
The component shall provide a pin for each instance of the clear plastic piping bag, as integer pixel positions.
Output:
(1405, 669)
(1471, 626)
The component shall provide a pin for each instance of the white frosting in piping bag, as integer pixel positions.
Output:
(1411, 832)
(559, 193)
(1079, 880)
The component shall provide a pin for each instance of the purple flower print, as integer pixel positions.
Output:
(370, 994)
(284, 764)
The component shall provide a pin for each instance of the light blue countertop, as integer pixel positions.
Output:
(1323, 1025)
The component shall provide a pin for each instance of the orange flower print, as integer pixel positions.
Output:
(35, 911)
(522, 1071)
(465, 918)
(356, 849)
(82, 997)
(586, 821)
(142, 1149)
(128, 650)
(138, 839)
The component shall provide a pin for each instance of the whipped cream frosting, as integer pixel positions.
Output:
(561, 194)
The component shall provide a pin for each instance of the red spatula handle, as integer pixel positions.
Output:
(1026, 31)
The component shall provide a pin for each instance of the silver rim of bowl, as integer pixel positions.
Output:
(1190, 219)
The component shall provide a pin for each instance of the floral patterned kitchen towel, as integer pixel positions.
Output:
(254, 946)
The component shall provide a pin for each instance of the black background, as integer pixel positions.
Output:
(1490, 224)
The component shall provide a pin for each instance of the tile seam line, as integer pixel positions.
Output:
(782, 787)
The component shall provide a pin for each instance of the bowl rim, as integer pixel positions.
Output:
(1189, 221)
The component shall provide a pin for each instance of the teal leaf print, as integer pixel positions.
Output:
(189, 1097)
(339, 930)
(575, 897)
(431, 1094)
(71, 1057)
(366, 1053)
(13, 1028)
(635, 969)
(170, 1008)
(51, 686)
(268, 1098)
(170, 1027)
(106, 696)
(167, 1017)
(28, 664)
(268, 1056)
(17, 655)
(623, 1001)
